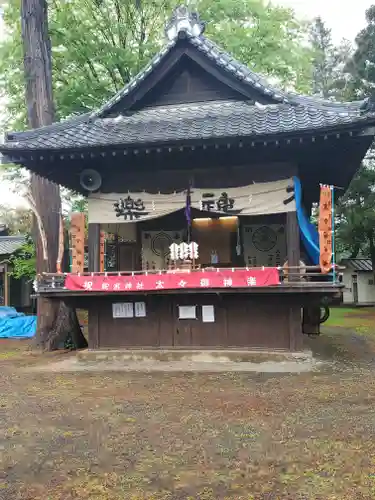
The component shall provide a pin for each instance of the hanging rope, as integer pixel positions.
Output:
(29, 198)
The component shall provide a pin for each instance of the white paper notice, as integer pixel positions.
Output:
(140, 309)
(123, 310)
(208, 314)
(187, 312)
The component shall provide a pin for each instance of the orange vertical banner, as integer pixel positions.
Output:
(325, 229)
(102, 250)
(77, 234)
(61, 245)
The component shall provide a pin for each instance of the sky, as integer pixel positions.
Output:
(343, 17)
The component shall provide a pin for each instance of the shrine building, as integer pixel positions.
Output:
(200, 177)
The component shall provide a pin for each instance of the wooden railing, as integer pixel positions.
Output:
(307, 276)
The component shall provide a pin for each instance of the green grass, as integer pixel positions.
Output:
(340, 315)
(360, 320)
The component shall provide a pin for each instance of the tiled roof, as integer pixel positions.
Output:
(215, 119)
(289, 113)
(235, 68)
(9, 244)
(358, 264)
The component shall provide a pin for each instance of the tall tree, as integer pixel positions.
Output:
(55, 320)
(18, 220)
(356, 216)
(98, 46)
(361, 66)
(356, 210)
(323, 63)
(329, 62)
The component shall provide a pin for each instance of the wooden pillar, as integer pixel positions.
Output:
(293, 244)
(294, 255)
(94, 248)
(94, 311)
(295, 328)
(311, 320)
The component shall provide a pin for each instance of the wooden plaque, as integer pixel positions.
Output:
(77, 235)
(102, 251)
(325, 229)
(61, 245)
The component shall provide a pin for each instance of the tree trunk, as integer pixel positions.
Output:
(355, 251)
(46, 194)
(370, 236)
(65, 325)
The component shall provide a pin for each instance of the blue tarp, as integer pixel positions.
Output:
(309, 233)
(16, 325)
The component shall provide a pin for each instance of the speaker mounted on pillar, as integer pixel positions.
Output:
(90, 180)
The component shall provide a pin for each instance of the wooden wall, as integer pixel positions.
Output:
(241, 320)
(175, 177)
(188, 83)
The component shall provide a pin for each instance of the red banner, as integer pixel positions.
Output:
(325, 229)
(175, 280)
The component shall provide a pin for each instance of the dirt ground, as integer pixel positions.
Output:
(112, 436)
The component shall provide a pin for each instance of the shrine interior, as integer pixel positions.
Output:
(241, 226)
(224, 241)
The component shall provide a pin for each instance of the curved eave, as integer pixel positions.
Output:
(41, 161)
(20, 155)
(302, 101)
(55, 127)
(65, 169)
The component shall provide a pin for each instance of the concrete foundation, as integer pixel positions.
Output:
(193, 356)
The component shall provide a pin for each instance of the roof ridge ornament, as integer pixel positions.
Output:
(183, 21)
(368, 105)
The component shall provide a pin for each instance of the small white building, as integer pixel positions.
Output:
(358, 278)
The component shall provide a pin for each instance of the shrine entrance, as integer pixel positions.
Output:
(199, 321)
(218, 240)
(128, 258)
(233, 227)
(182, 334)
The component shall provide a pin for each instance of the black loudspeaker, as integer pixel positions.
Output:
(90, 180)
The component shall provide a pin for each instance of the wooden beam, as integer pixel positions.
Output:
(292, 242)
(94, 248)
